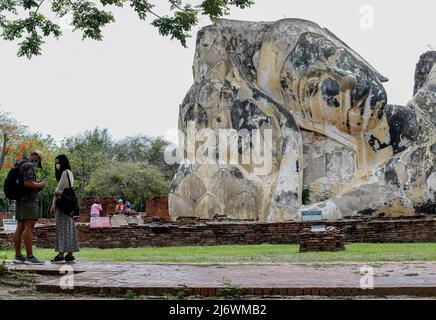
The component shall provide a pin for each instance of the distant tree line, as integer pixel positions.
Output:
(132, 168)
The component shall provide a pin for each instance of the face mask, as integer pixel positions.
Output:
(58, 166)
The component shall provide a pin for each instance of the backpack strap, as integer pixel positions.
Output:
(18, 164)
(68, 176)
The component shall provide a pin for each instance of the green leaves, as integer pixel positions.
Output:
(220, 8)
(118, 3)
(145, 149)
(242, 3)
(61, 7)
(129, 180)
(31, 46)
(142, 8)
(49, 28)
(215, 9)
(89, 18)
(28, 4)
(178, 26)
(30, 28)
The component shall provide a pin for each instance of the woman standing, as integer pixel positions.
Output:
(66, 236)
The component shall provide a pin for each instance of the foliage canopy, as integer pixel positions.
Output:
(30, 21)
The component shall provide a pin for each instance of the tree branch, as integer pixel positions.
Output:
(175, 5)
(39, 6)
(156, 15)
(4, 151)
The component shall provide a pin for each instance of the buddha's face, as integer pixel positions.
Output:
(326, 82)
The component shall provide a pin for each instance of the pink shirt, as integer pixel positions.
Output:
(95, 210)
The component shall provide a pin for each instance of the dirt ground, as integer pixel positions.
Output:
(23, 287)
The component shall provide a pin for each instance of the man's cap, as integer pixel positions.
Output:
(40, 155)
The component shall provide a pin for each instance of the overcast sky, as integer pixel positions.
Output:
(134, 81)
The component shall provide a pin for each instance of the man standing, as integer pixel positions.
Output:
(27, 210)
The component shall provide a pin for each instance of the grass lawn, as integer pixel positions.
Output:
(253, 253)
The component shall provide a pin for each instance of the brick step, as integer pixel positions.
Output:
(251, 291)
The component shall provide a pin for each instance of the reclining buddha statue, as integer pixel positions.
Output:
(329, 139)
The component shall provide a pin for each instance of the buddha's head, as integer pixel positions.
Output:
(319, 78)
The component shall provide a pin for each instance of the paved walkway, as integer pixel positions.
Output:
(338, 279)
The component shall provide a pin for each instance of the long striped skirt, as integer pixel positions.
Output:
(66, 234)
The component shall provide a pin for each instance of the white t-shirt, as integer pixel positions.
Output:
(63, 183)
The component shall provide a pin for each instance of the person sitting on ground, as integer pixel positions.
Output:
(96, 209)
(127, 206)
(120, 206)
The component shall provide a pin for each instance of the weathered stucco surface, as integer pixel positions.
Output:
(337, 146)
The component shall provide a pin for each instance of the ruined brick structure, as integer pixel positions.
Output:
(6, 240)
(107, 202)
(4, 215)
(332, 239)
(157, 207)
(221, 233)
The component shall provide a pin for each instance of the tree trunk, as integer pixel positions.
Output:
(83, 179)
(4, 150)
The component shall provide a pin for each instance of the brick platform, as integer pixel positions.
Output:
(158, 207)
(6, 240)
(4, 215)
(338, 279)
(220, 233)
(108, 203)
(332, 239)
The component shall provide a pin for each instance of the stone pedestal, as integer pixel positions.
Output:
(135, 220)
(119, 220)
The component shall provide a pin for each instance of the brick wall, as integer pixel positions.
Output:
(218, 233)
(6, 240)
(332, 239)
(4, 215)
(158, 207)
(107, 202)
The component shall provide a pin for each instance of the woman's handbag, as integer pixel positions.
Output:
(68, 202)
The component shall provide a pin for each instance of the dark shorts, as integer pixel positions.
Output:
(27, 211)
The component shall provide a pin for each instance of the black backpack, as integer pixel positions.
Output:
(14, 184)
(68, 202)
